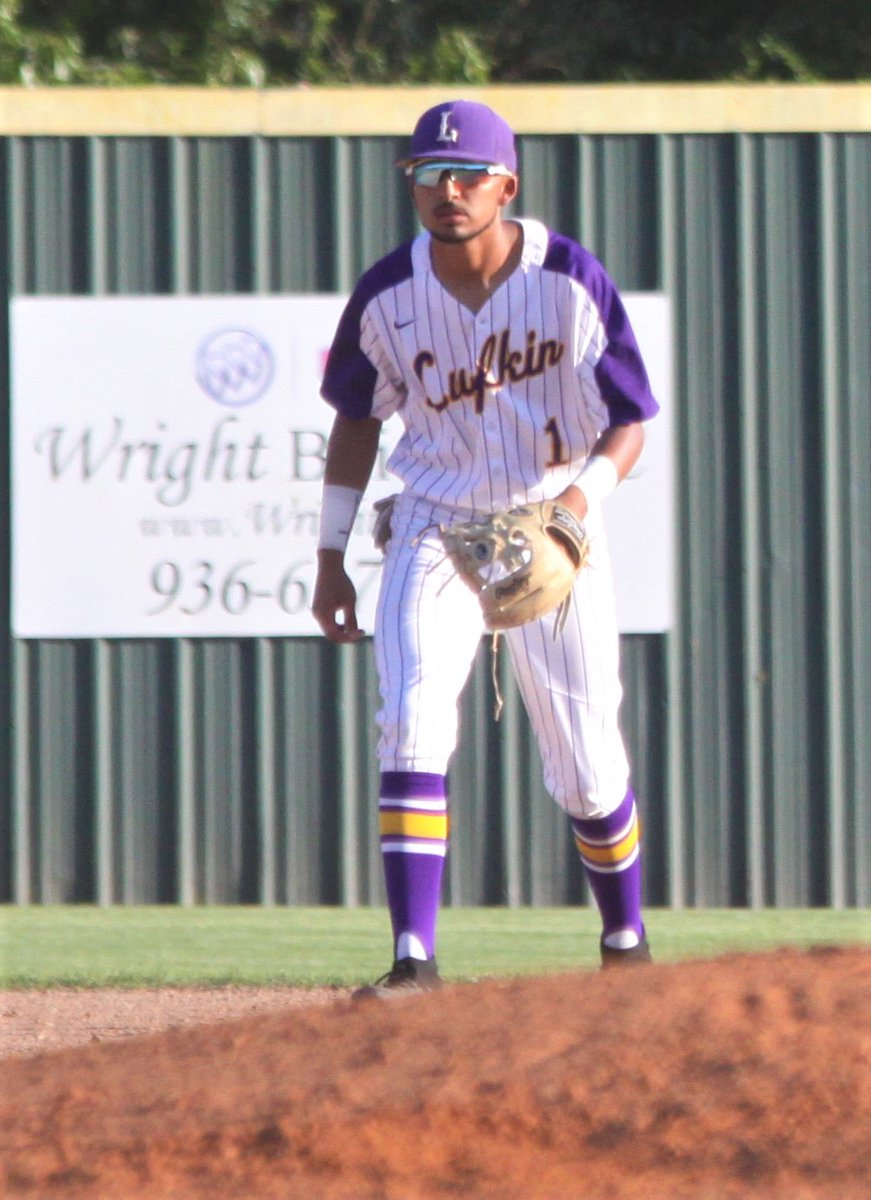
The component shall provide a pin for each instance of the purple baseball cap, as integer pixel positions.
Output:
(465, 131)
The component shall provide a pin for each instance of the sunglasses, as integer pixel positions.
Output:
(430, 174)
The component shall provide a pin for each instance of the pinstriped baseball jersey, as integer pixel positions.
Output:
(502, 405)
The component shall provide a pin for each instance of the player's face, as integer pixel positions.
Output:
(461, 204)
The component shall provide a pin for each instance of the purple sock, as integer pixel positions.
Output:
(413, 813)
(610, 851)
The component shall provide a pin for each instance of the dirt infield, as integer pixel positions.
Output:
(748, 1076)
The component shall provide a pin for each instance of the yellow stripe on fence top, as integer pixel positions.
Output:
(376, 111)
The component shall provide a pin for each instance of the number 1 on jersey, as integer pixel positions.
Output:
(556, 444)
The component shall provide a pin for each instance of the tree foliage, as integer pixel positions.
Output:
(284, 42)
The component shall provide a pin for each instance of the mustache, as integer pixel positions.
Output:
(447, 207)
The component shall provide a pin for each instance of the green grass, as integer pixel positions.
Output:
(84, 946)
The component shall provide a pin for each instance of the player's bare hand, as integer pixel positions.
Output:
(335, 599)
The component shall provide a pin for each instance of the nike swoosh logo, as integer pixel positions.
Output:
(403, 324)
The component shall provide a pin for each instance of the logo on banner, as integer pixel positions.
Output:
(235, 367)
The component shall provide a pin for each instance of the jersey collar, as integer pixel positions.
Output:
(535, 241)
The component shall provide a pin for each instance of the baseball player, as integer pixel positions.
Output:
(507, 353)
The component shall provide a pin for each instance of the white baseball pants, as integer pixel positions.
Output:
(428, 629)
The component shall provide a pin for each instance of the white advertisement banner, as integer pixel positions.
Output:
(167, 464)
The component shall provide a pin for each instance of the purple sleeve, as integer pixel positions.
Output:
(620, 372)
(350, 378)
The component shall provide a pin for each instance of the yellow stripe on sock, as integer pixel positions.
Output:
(610, 854)
(413, 824)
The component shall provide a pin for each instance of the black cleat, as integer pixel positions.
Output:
(635, 956)
(406, 976)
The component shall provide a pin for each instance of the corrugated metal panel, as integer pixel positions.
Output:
(243, 771)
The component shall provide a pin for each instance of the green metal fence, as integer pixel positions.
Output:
(225, 771)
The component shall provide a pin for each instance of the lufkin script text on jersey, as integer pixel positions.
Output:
(496, 363)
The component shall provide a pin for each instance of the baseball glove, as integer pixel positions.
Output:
(521, 562)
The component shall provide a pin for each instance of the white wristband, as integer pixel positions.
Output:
(338, 513)
(598, 478)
